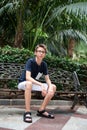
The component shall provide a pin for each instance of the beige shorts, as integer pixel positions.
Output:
(35, 87)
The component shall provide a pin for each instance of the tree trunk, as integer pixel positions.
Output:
(19, 35)
(19, 29)
(71, 46)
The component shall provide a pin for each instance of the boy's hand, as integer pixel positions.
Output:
(44, 91)
(50, 90)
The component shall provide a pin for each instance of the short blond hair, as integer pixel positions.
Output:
(41, 45)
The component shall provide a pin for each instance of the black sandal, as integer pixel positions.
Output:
(41, 114)
(27, 117)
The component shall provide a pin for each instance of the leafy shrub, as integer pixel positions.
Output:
(10, 55)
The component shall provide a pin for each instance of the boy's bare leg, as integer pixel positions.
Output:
(47, 98)
(45, 101)
(28, 97)
(27, 115)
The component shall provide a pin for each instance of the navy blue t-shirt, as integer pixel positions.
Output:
(36, 70)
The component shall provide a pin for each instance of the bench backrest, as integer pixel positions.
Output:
(62, 78)
(10, 71)
(76, 82)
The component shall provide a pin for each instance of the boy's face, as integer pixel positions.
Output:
(40, 53)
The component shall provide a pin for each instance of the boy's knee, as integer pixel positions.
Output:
(50, 93)
(54, 88)
(28, 85)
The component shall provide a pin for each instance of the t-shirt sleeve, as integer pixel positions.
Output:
(28, 65)
(45, 72)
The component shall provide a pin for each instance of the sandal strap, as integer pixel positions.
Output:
(27, 118)
(27, 113)
(41, 112)
(50, 116)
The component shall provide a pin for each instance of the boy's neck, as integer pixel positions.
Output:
(38, 61)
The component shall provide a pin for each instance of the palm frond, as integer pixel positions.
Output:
(72, 33)
(78, 9)
(9, 8)
(82, 36)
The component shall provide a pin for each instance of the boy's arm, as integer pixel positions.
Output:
(48, 81)
(29, 78)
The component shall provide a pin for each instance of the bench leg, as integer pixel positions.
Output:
(85, 101)
(76, 100)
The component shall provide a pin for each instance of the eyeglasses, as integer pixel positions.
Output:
(43, 52)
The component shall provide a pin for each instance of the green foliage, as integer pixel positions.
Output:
(63, 63)
(53, 22)
(9, 54)
(12, 84)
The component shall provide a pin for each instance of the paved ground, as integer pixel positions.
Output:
(11, 118)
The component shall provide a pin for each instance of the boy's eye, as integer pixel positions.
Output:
(41, 51)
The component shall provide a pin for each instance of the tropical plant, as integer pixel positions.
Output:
(69, 26)
(57, 23)
(12, 13)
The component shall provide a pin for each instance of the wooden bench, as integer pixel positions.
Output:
(68, 85)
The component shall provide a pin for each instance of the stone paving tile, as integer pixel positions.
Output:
(64, 118)
(76, 123)
(11, 118)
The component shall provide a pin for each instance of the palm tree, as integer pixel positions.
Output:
(32, 20)
(14, 13)
(70, 27)
(19, 28)
(6, 23)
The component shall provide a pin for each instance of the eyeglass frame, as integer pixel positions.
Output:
(43, 52)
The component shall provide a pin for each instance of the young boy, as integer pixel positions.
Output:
(29, 81)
